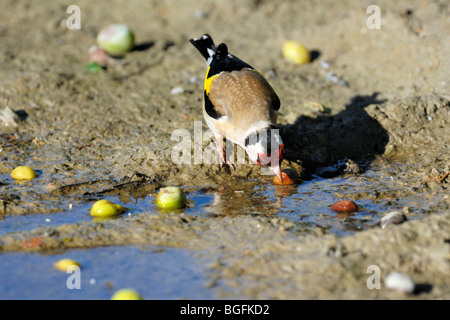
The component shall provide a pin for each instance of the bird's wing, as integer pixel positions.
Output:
(242, 96)
(217, 68)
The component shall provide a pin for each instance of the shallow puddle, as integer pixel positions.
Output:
(376, 192)
(175, 273)
(155, 272)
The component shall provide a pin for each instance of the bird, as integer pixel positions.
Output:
(240, 105)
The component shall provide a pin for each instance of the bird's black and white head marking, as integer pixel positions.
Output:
(265, 141)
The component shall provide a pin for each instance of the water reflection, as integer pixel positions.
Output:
(307, 204)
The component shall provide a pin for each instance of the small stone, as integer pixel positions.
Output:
(199, 15)
(400, 282)
(53, 185)
(333, 78)
(177, 90)
(316, 107)
(8, 118)
(97, 54)
(324, 64)
(351, 167)
(394, 217)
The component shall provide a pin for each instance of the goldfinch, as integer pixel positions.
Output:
(240, 105)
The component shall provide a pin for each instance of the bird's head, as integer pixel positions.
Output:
(265, 148)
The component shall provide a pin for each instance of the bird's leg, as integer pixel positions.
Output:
(220, 151)
(230, 155)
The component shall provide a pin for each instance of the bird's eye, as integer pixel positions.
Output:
(251, 139)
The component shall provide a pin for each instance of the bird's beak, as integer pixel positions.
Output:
(266, 161)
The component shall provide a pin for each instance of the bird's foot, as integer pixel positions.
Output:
(230, 164)
(222, 154)
(223, 161)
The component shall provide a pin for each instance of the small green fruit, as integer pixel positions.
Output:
(116, 39)
(23, 173)
(171, 198)
(296, 52)
(105, 209)
(94, 67)
(126, 294)
(64, 264)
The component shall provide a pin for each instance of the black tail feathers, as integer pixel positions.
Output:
(204, 43)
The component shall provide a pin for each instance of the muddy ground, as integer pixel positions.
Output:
(386, 104)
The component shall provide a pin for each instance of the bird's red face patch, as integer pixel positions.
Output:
(268, 159)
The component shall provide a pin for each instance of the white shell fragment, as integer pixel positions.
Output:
(335, 79)
(324, 64)
(399, 281)
(177, 90)
(394, 217)
(8, 118)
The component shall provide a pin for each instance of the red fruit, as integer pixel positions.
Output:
(344, 206)
(289, 177)
(33, 242)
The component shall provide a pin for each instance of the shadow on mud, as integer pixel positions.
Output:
(328, 139)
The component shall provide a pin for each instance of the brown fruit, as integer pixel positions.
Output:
(344, 206)
(289, 177)
(35, 242)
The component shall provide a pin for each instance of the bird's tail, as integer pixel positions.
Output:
(205, 45)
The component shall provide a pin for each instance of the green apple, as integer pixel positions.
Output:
(23, 173)
(106, 209)
(296, 52)
(126, 294)
(171, 198)
(116, 39)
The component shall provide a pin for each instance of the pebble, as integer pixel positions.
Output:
(193, 80)
(8, 118)
(177, 90)
(393, 217)
(324, 64)
(346, 166)
(200, 15)
(316, 107)
(97, 54)
(399, 281)
(333, 78)
(344, 206)
(52, 186)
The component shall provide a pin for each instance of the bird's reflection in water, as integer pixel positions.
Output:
(250, 197)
